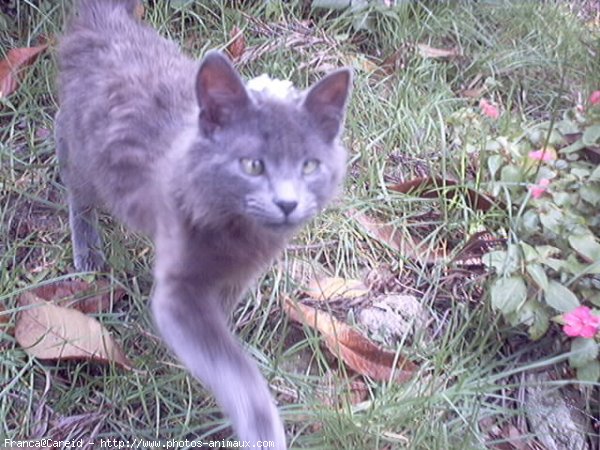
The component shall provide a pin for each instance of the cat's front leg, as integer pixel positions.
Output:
(192, 322)
(83, 220)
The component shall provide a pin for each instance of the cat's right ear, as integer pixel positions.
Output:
(220, 92)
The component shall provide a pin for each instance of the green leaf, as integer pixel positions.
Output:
(560, 297)
(591, 135)
(546, 251)
(511, 174)
(508, 294)
(552, 218)
(494, 162)
(590, 192)
(538, 275)
(530, 221)
(586, 246)
(529, 253)
(504, 262)
(567, 126)
(574, 147)
(534, 315)
(589, 372)
(595, 176)
(584, 350)
(554, 263)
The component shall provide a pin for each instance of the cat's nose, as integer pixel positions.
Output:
(287, 206)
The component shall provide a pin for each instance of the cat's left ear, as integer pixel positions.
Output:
(220, 92)
(326, 102)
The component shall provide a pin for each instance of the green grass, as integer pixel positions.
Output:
(535, 58)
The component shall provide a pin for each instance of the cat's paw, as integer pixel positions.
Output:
(91, 260)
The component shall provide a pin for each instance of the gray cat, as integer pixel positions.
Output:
(219, 175)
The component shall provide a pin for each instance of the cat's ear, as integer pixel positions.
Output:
(326, 102)
(220, 91)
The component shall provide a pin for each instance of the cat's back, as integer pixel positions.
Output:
(114, 67)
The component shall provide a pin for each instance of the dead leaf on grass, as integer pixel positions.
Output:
(427, 51)
(403, 243)
(237, 46)
(48, 331)
(325, 288)
(86, 297)
(11, 67)
(336, 392)
(350, 346)
(433, 187)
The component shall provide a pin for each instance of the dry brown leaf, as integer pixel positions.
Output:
(402, 243)
(325, 288)
(427, 51)
(335, 392)
(47, 331)
(473, 93)
(81, 295)
(433, 187)
(12, 65)
(350, 346)
(237, 46)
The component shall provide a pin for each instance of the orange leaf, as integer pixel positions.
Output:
(10, 68)
(401, 242)
(325, 288)
(81, 295)
(237, 46)
(432, 187)
(350, 346)
(47, 331)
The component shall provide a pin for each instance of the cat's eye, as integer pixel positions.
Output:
(254, 167)
(309, 166)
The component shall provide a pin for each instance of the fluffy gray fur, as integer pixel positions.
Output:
(218, 175)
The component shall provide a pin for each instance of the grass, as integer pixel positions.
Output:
(535, 59)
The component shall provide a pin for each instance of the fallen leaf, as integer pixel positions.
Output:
(337, 392)
(237, 46)
(427, 51)
(325, 288)
(433, 187)
(48, 331)
(81, 295)
(12, 65)
(350, 346)
(473, 93)
(398, 60)
(402, 243)
(471, 253)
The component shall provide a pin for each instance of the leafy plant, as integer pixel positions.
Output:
(547, 176)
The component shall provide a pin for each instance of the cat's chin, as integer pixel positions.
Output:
(282, 226)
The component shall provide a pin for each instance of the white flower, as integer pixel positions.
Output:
(272, 87)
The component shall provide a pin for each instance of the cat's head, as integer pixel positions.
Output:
(273, 161)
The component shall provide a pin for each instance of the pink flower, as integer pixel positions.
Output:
(547, 154)
(581, 323)
(537, 190)
(488, 109)
(594, 98)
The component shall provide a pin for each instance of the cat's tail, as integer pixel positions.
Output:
(94, 12)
